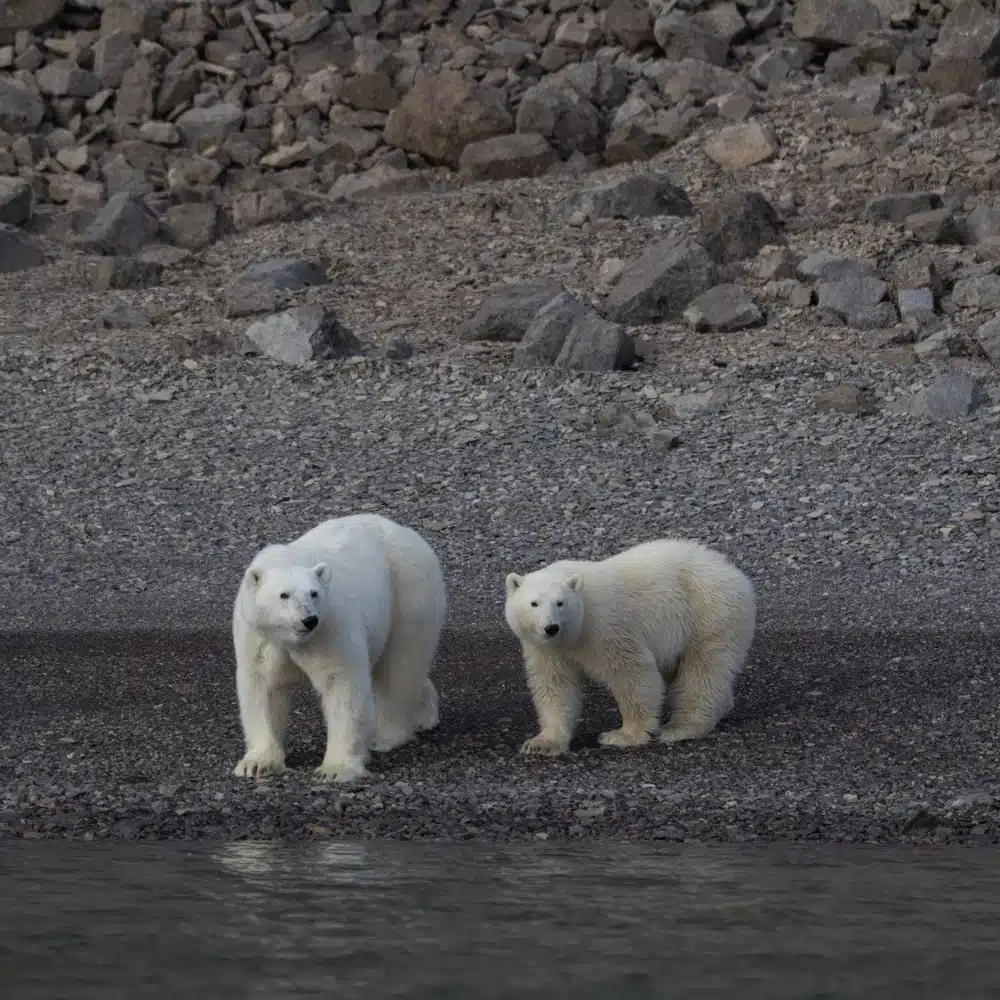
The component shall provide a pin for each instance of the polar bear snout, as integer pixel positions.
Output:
(310, 622)
(551, 629)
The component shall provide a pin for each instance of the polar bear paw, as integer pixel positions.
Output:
(544, 746)
(389, 737)
(340, 771)
(624, 738)
(260, 763)
(676, 734)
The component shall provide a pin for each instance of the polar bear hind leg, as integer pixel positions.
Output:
(702, 690)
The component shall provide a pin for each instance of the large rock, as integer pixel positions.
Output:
(660, 284)
(629, 23)
(569, 121)
(18, 251)
(835, 22)
(21, 109)
(506, 314)
(736, 226)
(980, 291)
(739, 147)
(504, 157)
(192, 225)
(290, 274)
(898, 207)
(859, 301)
(565, 333)
(949, 397)
(442, 114)
(724, 308)
(680, 37)
(123, 226)
(988, 336)
(635, 197)
(971, 32)
(65, 79)
(305, 333)
(204, 127)
(15, 201)
(26, 15)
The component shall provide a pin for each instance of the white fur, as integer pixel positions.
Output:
(663, 612)
(377, 590)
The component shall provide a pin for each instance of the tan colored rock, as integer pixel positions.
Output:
(442, 114)
(738, 147)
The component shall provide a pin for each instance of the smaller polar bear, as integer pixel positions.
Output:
(663, 612)
(355, 606)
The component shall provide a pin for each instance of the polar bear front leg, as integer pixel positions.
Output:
(637, 686)
(345, 692)
(558, 696)
(264, 700)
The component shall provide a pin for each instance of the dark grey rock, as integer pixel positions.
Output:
(988, 337)
(570, 122)
(123, 316)
(15, 201)
(305, 333)
(547, 331)
(681, 37)
(982, 224)
(18, 251)
(507, 314)
(846, 398)
(970, 32)
(948, 397)
(937, 225)
(126, 272)
(504, 157)
(736, 226)
(636, 197)
(852, 299)
(123, 226)
(203, 127)
(661, 283)
(724, 308)
(21, 109)
(835, 22)
(829, 267)
(916, 305)
(978, 292)
(192, 225)
(897, 207)
(288, 274)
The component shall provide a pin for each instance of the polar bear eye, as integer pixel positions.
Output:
(558, 604)
(534, 604)
(314, 593)
(284, 596)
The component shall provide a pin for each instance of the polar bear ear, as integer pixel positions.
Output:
(322, 572)
(514, 580)
(253, 577)
(574, 582)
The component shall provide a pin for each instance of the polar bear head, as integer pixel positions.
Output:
(288, 602)
(545, 606)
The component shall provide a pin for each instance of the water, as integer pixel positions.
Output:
(374, 920)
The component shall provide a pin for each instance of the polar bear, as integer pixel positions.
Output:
(355, 606)
(663, 612)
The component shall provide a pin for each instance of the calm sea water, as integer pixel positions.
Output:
(374, 920)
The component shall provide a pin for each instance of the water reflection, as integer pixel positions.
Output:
(411, 921)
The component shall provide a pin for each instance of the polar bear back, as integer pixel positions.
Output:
(663, 593)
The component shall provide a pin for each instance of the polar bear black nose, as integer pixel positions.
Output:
(551, 629)
(310, 623)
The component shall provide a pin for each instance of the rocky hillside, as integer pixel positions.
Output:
(141, 133)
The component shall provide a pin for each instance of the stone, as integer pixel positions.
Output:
(126, 272)
(18, 251)
(636, 197)
(505, 157)
(244, 298)
(970, 32)
(852, 299)
(440, 115)
(642, 139)
(919, 271)
(305, 333)
(723, 308)
(258, 208)
(735, 226)
(26, 15)
(937, 225)
(660, 284)
(192, 225)
(739, 147)
(381, 180)
(846, 398)
(629, 23)
(605, 85)
(202, 128)
(122, 316)
(15, 201)
(370, 92)
(948, 398)
(978, 292)
(60, 79)
(982, 225)
(349, 144)
(123, 226)
(774, 263)
(988, 338)
(608, 274)
(566, 334)
(287, 274)
(833, 267)
(21, 109)
(682, 37)
(505, 315)
(898, 207)
(916, 305)
(940, 345)
(570, 122)
(831, 23)
(113, 54)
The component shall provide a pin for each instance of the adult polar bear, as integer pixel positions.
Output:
(355, 605)
(663, 611)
